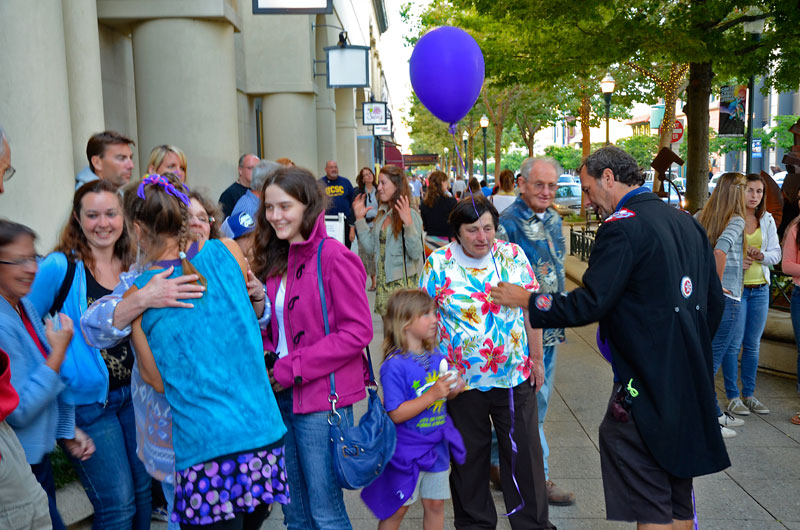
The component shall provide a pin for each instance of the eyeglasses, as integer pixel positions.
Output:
(8, 173)
(21, 262)
(202, 219)
(539, 186)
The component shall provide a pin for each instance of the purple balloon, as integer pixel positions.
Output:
(446, 71)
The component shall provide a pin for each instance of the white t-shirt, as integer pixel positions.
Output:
(280, 298)
(458, 187)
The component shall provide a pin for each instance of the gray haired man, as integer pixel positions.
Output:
(249, 202)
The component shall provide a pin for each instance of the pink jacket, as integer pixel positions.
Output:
(312, 354)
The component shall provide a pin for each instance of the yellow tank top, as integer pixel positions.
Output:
(754, 275)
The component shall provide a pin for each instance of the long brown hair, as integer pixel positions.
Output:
(397, 177)
(271, 254)
(402, 309)
(506, 180)
(435, 181)
(360, 179)
(753, 177)
(160, 215)
(726, 201)
(72, 241)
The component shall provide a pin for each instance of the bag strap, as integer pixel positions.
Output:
(66, 284)
(405, 272)
(334, 397)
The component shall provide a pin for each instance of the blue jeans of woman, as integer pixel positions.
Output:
(728, 338)
(795, 311)
(755, 303)
(316, 498)
(114, 478)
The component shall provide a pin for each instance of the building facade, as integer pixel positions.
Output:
(208, 76)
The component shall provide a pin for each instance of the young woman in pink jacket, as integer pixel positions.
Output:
(290, 228)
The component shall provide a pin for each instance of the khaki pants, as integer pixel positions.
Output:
(23, 502)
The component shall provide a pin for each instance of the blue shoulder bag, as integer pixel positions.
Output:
(360, 453)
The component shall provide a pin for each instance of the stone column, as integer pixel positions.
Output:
(34, 110)
(290, 129)
(346, 149)
(326, 106)
(186, 96)
(82, 46)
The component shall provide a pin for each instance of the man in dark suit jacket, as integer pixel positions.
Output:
(653, 287)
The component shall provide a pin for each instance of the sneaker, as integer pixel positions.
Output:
(737, 407)
(755, 405)
(726, 432)
(727, 420)
(557, 496)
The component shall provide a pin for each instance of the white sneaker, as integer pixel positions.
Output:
(728, 420)
(726, 432)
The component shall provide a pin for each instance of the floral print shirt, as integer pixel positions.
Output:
(487, 343)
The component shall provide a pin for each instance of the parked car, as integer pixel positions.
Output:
(568, 199)
(566, 178)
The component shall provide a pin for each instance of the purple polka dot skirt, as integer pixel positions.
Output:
(215, 490)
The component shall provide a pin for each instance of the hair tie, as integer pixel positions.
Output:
(182, 254)
(164, 183)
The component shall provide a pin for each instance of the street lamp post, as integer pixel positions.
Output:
(755, 29)
(484, 125)
(465, 137)
(607, 86)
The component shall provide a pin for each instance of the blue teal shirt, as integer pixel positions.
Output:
(543, 244)
(211, 360)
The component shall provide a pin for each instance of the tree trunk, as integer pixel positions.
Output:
(586, 140)
(498, 141)
(697, 95)
(470, 157)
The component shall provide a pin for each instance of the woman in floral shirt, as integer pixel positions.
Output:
(500, 357)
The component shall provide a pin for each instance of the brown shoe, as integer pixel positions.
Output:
(494, 477)
(559, 497)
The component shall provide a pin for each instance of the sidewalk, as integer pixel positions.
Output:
(760, 491)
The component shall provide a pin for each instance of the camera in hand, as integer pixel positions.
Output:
(269, 359)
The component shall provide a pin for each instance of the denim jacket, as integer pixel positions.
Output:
(369, 236)
(543, 244)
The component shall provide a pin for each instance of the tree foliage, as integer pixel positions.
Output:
(568, 156)
(643, 148)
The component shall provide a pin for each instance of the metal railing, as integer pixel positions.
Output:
(581, 242)
(780, 290)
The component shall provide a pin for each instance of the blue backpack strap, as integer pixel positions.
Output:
(333, 398)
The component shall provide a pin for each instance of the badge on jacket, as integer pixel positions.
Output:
(622, 214)
(686, 287)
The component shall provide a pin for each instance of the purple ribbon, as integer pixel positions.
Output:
(164, 183)
(694, 507)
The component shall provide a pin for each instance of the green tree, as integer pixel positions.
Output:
(643, 148)
(568, 156)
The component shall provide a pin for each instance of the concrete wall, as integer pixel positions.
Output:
(34, 109)
(119, 92)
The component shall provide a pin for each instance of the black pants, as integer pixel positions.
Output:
(469, 483)
(242, 521)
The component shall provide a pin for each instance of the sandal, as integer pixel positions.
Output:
(795, 419)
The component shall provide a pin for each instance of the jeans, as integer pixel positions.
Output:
(114, 478)
(795, 311)
(755, 303)
(543, 399)
(43, 471)
(725, 346)
(316, 498)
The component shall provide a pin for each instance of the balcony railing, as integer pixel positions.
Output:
(581, 242)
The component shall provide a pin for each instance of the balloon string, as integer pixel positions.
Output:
(521, 504)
